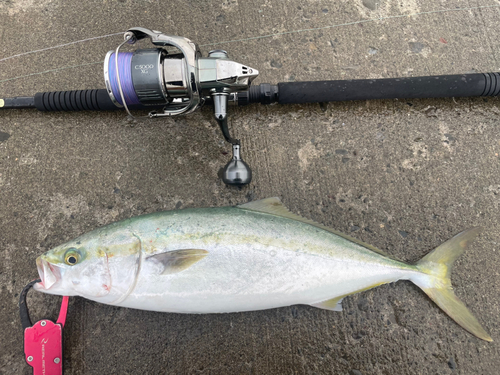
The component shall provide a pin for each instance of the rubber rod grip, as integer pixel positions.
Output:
(79, 100)
(477, 84)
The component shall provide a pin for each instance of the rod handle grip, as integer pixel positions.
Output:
(77, 100)
(464, 85)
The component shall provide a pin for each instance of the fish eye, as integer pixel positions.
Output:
(72, 257)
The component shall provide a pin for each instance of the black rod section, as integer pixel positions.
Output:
(477, 84)
(78, 100)
(18, 102)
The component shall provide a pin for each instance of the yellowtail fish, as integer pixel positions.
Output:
(254, 256)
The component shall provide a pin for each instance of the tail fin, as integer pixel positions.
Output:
(437, 265)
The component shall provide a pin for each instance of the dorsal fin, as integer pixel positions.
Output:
(273, 206)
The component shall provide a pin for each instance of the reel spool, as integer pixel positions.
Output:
(180, 83)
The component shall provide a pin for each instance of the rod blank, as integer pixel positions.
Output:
(17, 102)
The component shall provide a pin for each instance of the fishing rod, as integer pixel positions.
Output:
(174, 79)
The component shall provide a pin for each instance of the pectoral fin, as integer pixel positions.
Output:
(177, 260)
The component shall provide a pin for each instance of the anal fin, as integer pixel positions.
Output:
(334, 304)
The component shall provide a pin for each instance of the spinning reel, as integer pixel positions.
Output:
(180, 82)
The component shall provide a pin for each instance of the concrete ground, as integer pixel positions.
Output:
(403, 175)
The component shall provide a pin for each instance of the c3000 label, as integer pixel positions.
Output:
(144, 68)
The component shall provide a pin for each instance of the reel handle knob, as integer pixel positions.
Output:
(236, 172)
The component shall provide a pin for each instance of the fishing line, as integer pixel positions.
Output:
(59, 46)
(243, 39)
(351, 23)
(125, 73)
(52, 71)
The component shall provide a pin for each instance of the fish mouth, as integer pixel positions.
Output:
(49, 274)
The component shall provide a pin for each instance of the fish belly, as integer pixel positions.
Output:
(255, 276)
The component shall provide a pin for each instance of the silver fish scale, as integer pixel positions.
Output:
(255, 261)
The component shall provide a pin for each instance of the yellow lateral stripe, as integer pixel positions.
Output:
(274, 206)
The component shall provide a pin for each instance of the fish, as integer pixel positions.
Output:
(254, 256)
